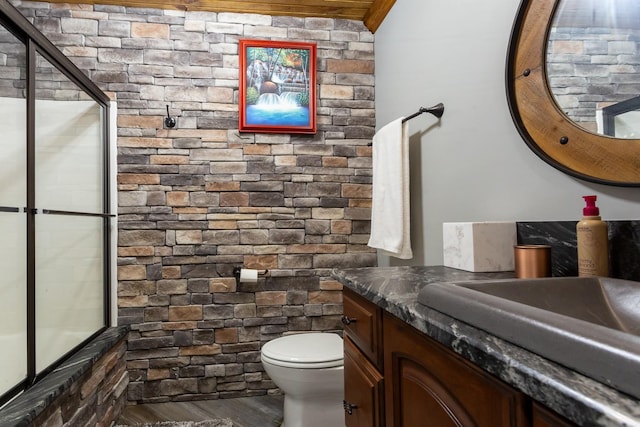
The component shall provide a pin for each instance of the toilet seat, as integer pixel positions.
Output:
(305, 351)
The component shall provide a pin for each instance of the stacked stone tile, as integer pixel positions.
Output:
(200, 199)
(592, 68)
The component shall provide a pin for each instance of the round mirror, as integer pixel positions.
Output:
(573, 85)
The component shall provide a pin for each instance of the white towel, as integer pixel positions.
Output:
(390, 212)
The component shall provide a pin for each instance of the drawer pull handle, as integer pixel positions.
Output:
(348, 320)
(349, 407)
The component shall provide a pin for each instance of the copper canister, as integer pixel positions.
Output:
(532, 261)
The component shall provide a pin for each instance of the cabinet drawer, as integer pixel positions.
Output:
(363, 324)
(363, 389)
(543, 417)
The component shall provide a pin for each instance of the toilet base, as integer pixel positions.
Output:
(312, 382)
(319, 412)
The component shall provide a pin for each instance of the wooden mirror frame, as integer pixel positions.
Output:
(543, 125)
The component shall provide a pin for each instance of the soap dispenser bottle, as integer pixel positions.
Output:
(591, 231)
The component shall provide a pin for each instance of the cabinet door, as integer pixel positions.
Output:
(363, 389)
(543, 417)
(362, 322)
(428, 385)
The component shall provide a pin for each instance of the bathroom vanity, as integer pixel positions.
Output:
(409, 365)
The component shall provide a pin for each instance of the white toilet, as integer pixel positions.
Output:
(308, 368)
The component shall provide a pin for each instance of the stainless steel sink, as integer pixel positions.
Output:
(591, 325)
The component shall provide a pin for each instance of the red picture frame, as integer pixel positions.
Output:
(277, 86)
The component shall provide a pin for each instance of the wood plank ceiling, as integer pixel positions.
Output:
(370, 12)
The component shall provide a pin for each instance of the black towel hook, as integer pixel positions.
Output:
(169, 121)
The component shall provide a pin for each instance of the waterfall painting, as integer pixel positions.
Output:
(277, 86)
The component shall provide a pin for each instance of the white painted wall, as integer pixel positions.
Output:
(473, 166)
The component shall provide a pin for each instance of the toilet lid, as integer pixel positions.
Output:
(310, 350)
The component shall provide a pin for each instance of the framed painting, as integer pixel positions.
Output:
(277, 86)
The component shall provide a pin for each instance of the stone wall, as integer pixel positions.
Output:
(200, 199)
(592, 68)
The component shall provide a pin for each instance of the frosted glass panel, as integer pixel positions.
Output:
(13, 154)
(13, 300)
(69, 145)
(13, 111)
(69, 284)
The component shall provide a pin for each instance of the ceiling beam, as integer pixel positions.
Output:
(376, 13)
(370, 12)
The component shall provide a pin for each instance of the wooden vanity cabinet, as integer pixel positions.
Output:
(362, 321)
(396, 376)
(543, 417)
(363, 389)
(363, 397)
(428, 385)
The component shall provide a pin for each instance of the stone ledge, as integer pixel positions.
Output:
(25, 408)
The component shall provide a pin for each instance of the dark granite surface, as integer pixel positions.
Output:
(624, 246)
(22, 410)
(575, 396)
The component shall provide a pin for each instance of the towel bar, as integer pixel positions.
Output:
(437, 110)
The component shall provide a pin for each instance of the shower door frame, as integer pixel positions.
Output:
(36, 43)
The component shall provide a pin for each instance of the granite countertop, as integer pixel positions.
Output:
(575, 396)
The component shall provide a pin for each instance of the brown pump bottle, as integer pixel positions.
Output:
(593, 241)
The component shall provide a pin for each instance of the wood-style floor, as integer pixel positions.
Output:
(260, 411)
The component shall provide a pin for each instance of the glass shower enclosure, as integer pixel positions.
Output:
(55, 217)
